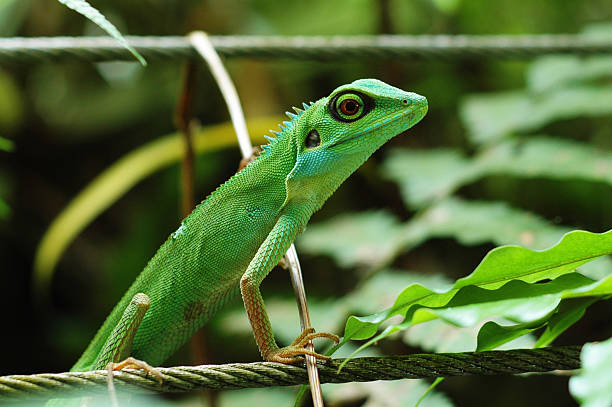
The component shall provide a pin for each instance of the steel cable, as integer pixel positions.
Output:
(266, 374)
(19, 50)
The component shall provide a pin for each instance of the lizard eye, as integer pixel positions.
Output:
(313, 139)
(349, 106)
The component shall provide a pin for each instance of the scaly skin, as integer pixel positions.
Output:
(232, 240)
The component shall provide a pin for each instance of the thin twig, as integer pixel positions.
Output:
(202, 44)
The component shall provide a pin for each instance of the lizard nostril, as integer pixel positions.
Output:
(405, 101)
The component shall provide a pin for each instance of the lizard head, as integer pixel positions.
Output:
(336, 134)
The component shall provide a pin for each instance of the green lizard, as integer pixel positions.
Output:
(232, 240)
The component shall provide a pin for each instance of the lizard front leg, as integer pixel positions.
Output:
(270, 252)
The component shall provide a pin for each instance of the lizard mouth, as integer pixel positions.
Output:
(388, 121)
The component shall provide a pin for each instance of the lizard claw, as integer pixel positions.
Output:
(129, 363)
(288, 354)
(133, 363)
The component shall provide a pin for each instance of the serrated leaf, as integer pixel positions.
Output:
(84, 8)
(380, 290)
(592, 386)
(568, 314)
(502, 285)
(493, 335)
(424, 176)
(489, 118)
(439, 336)
(513, 262)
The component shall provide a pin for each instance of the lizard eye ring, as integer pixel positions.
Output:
(349, 106)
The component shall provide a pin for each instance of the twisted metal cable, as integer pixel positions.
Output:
(21, 50)
(265, 374)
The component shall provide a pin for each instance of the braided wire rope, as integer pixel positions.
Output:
(23, 50)
(265, 374)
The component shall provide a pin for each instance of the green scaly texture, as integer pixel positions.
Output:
(231, 241)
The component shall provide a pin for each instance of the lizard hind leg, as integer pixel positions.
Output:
(115, 354)
(118, 345)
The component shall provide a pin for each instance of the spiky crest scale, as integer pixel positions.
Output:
(285, 127)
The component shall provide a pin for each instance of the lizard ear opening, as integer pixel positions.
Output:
(313, 139)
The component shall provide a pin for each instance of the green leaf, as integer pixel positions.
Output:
(12, 14)
(501, 286)
(493, 335)
(477, 222)
(84, 8)
(547, 73)
(5, 210)
(6, 144)
(12, 108)
(513, 262)
(492, 117)
(568, 314)
(374, 239)
(424, 176)
(366, 238)
(439, 336)
(592, 386)
(252, 397)
(400, 393)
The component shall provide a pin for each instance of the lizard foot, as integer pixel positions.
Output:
(129, 363)
(132, 363)
(289, 354)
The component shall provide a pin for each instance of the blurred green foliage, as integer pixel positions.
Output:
(592, 385)
(511, 152)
